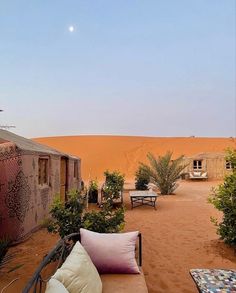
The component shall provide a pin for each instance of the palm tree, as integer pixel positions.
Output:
(163, 171)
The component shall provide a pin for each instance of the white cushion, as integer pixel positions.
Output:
(54, 286)
(204, 174)
(78, 274)
(196, 174)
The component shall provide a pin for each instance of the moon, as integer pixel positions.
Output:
(71, 28)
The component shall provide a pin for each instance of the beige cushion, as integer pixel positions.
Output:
(78, 274)
(204, 174)
(54, 286)
(123, 283)
(197, 174)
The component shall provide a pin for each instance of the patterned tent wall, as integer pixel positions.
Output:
(41, 196)
(24, 203)
(13, 200)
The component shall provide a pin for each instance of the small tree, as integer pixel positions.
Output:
(142, 179)
(224, 199)
(67, 217)
(113, 186)
(163, 171)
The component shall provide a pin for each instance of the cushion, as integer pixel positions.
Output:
(124, 283)
(204, 174)
(111, 252)
(78, 274)
(197, 174)
(54, 285)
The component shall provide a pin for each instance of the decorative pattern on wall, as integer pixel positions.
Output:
(8, 151)
(19, 162)
(18, 197)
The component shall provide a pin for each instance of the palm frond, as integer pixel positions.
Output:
(163, 171)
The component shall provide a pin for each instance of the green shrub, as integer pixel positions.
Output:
(93, 185)
(93, 191)
(67, 217)
(113, 186)
(141, 179)
(224, 199)
(70, 217)
(104, 221)
(163, 171)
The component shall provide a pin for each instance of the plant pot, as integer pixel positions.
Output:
(93, 196)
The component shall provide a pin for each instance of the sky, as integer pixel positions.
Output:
(128, 67)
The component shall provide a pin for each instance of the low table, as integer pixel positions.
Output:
(214, 280)
(140, 198)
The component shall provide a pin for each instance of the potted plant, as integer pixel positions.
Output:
(93, 191)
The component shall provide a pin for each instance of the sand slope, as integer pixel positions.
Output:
(123, 153)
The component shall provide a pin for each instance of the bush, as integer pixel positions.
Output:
(70, 217)
(93, 191)
(141, 179)
(104, 221)
(163, 171)
(113, 186)
(224, 199)
(67, 217)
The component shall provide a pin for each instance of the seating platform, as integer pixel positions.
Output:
(198, 175)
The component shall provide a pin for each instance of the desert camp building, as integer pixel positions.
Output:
(31, 175)
(214, 164)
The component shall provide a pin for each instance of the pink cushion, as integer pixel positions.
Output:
(112, 252)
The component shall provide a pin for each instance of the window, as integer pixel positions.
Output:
(228, 165)
(76, 169)
(197, 164)
(43, 171)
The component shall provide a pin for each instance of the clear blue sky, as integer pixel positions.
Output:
(155, 68)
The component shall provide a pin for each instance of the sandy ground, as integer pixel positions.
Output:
(177, 236)
(124, 153)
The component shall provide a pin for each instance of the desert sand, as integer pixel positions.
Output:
(177, 236)
(123, 153)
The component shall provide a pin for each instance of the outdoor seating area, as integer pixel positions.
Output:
(198, 175)
(156, 257)
(75, 269)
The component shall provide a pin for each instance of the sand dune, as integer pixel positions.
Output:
(123, 153)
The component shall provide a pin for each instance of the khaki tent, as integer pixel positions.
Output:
(31, 175)
(213, 163)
